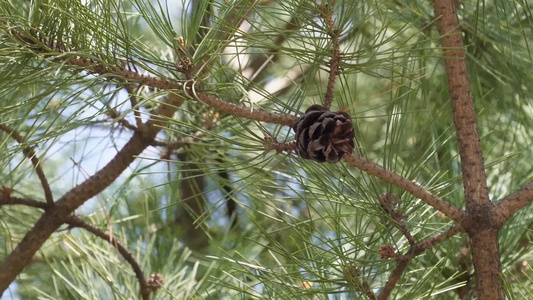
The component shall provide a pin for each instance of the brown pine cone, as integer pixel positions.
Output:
(322, 135)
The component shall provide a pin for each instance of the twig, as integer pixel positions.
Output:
(210, 100)
(245, 112)
(75, 221)
(402, 261)
(406, 233)
(409, 186)
(401, 265)
(133, 101)
(271, 143)
(113, 114)
(23, 201)
(124, 74)
(509, 205)
(351, 274)
(432, 241)
(30, 154)
(327, 12)
(388, 204)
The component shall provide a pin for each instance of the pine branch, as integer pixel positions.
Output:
(327, 14)
(473, 170)
(509, 205)
(480, 223)
(75, 221)
(124, 75)
(400, 268)
(402, 261)
(409, 186)
(8, 200)
(59, 213)
(189, 90)
(432, 241)
(388, 203)
(30, 154)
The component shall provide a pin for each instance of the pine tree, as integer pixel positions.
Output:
(265, 149)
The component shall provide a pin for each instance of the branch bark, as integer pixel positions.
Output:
(481, 226)
(509, 205)
(327, 11)
(473, 170)
(409, 186)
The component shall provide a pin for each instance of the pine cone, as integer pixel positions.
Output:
(322, 135)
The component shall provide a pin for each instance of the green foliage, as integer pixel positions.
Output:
(301, 225)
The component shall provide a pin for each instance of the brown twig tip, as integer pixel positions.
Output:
(6, 193)
(271, 143)
(387, 251)
(155, 282)
(387, 203)
(352, 275)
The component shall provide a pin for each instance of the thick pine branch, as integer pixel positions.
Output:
(75, 221)
(473, 170)
(481, 225)
(59, 213)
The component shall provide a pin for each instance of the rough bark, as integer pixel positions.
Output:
(486, 258)
(483, 232)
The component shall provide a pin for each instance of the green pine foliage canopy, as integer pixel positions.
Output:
(208, 207)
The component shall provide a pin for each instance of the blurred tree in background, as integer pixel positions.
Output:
(203, 210)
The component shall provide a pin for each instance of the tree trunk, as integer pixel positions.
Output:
(486, 258)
